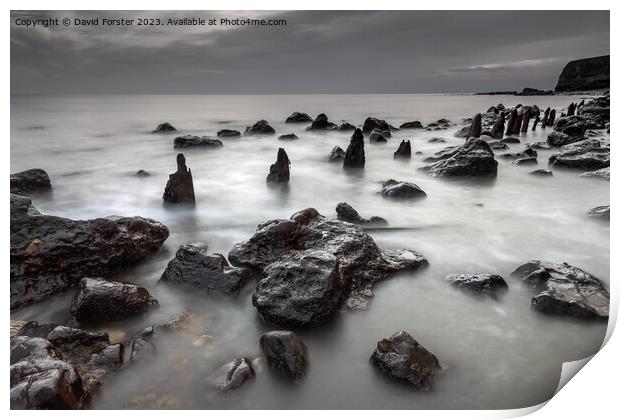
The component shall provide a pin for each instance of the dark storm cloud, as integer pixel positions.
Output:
(316, 52)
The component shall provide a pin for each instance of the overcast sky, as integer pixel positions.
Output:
(316, 52)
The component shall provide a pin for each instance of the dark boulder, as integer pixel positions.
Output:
(541, 172)
(279, 172)
(585, 154)
(411, 125)
(231, 376)
(377, 136)
(565, 290)
(401, 190)
(403, 151)
(545, 118)
(585, 74)
(498, 145)
(345, 126)
(551, 119)
(463, 132)
(260, 128)
(194, 270)
(402, 358)
(228, 133)
(321, 123)
(336, 154)
(475, 129)
(32, 180)
(372, 123)
(195, 141)
(474, 158)
(512, 118)
(573, 126)
(51, 254)
(290, 136)
(180, 185)
(483, 283)
(510, 140)
(526, 160)
(347, 213)
(600, 212)
(557, 139)
(98, 300)
(142, 173)
(298, 117)
(285, 354)
(164, 128)
(497, 131)
(355, 156)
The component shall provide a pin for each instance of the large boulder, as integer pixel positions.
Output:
(402, 358)
(298, 117)
(565, 290)
(231, 376)
(31, 180)
(321, 123)
(99, 300)
(585, 154)
(480, 283)
(51, 254)
(347, 213)
(474, 158)
(186, 141)
(361, 263)
(372, 123)
(279, 172)
(401, 190)
(345, 126)
(354, 156)
(180, 185)
(585, 74)
(285, 354)
(260, 128)
(194, 270)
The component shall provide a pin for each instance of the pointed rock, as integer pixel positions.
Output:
(180, 185)
(355, 156)
(279, 171)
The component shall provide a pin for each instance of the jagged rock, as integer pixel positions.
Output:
(585, 154)
(551, 119)
(512, 118)
(541, 172)
(463, 132)
(51, 254)
(411, 125)
(498, 145)
(401, 190)
(193, 269)
(377, 136)
(180, 185)
(290, 136)
(31, 180)
(601, 173)
(571, 109)
(285, 354)
(484, 283)
(585, 74)
(354, 156)
(527, 113)
(345, 126)
(164, 128)
(336, 154)
(565, 290)
(298, 117)
(497, 131)
(573, 126)
(403, 151)
(347, 213)
(402, 358)
(600, 212)
(279, 172)
(371, 123)
(545, 118)
(195, 141)
(142, 173)
(228, 133)
(474, 158)
(475, 129)
(99, 300)
(360, 262)
(260, 128)
(231, 376)
(557, 139)
(321, 123)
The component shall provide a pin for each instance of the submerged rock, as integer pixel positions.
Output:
(290, 136)
(336, 154)
(180, 185)
(483, 283)
(585, 154)
(601, 173)
(195, 141)
(402, 358)
(100, 300)
(228, 133)
(31, 180)
(600, 212)
(361, 263)
(194, 270)
(285, 353)
(565, 290)
(279, 172)
(298, 117)
(541, 172)
(347, 213)
(142, 173)
(411, 125)
(231, 376)
(321, 123)
(51, 254)
(354, 156)
(401, 190)
(474, 158)
(261, 127)
(164, 128)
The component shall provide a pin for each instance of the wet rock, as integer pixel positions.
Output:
(142, 173)
(360, 261)
(403, 151)
(498, 145)
(99, 300)
(474, 158)
(228, 133)
(483, 283)
(510, 140)
(345, 126)
(512, 118)
(372, 123)
(475, 129)
(347, 213)
(565, 290)
(231, 376)
(279, 172)
(51, 254)
(545, 118)
(285, 354)
(401, 190)
(355, 156)
(411, 125)
(180, 185)
(573, 126)
(541, 172)
(527, 160)
(539, 145)
(298, 117)
(463, 132)
(497, 131)
(336, 154)
(402, 358)
(600, 212)
(585, 154)
(377, 136)
(321, 123)
(290, 136)
(526, 120)
(601, 173)
(164, 128)
(557, 139)
(260, 128)
(551, 119)
(194, 270)
(32, 180)
(195, 141)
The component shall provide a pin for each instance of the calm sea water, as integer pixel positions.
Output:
(497, 353)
